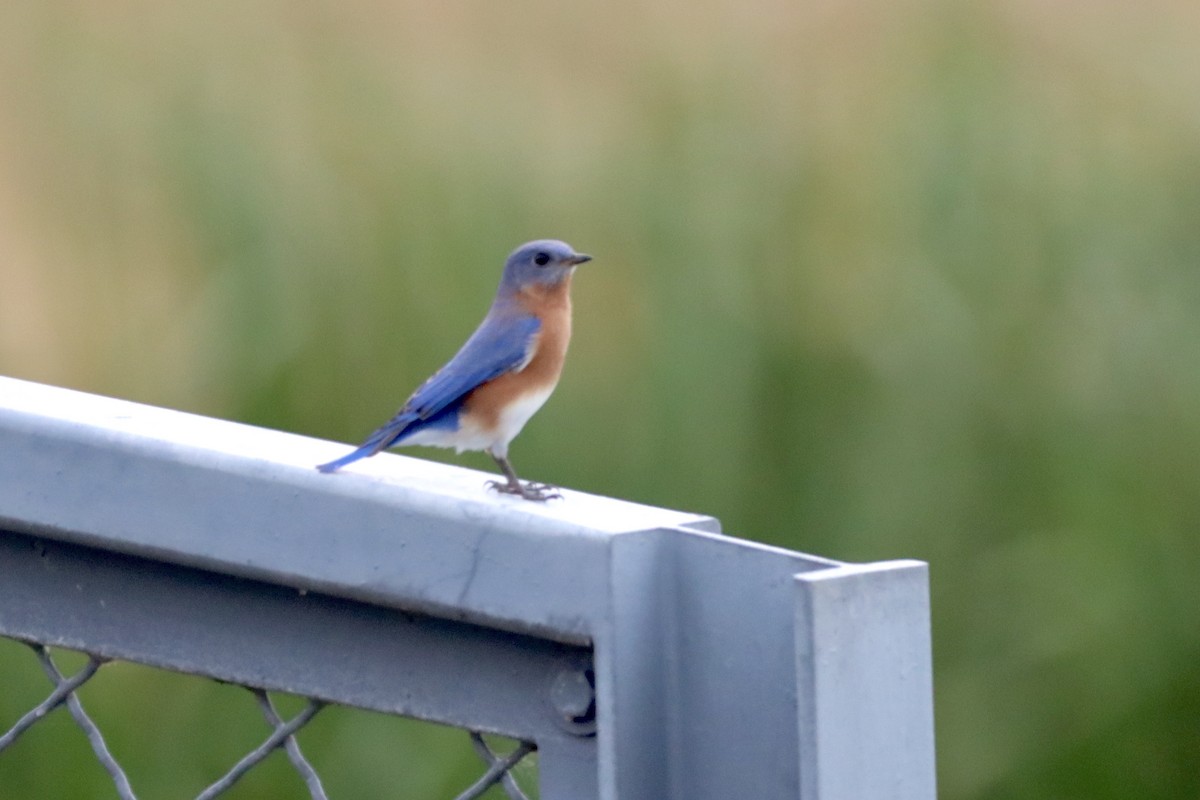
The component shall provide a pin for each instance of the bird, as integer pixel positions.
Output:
(504, 373)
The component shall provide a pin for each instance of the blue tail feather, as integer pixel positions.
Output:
(381, 439)
(338, 463)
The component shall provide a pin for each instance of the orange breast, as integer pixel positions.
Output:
(552, 306)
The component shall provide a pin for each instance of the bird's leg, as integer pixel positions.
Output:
(514, 483)
(530, 491)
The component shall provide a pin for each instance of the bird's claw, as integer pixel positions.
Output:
(538, 492)
(541, 491)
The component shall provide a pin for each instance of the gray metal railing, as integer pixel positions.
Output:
(640, 652)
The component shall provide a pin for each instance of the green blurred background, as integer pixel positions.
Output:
(914, 278)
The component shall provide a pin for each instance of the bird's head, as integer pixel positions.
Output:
(544, 262)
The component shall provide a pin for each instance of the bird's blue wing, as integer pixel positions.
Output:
(499, 345)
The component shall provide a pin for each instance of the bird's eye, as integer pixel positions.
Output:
(541, 259)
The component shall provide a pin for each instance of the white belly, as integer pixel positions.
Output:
(513, 419)
(471, 436)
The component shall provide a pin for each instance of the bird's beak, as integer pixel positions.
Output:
(579, 258)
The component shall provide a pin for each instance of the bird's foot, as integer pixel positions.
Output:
(538, 492)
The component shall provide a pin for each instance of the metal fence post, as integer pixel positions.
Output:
(864, 682)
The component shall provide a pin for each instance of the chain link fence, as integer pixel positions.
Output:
(497, 766)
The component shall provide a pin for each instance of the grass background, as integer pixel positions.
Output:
(914, 278)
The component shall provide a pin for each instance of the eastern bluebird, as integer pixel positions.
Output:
(504, 373)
